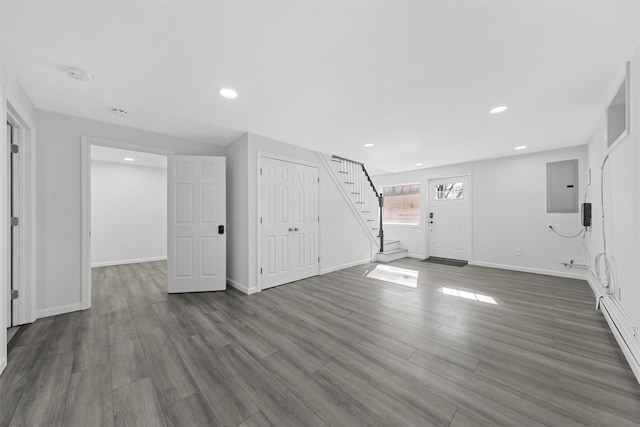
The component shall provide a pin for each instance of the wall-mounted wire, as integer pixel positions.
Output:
(608, 281)
(584, 229)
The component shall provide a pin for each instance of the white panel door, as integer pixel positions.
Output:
(305, 222)
(276, 189)
(196, 217)
(289, 222)
(449, 218)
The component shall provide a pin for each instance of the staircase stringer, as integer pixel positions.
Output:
(366, 227)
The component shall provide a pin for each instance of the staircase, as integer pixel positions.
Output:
(369, 204)
(392, 251)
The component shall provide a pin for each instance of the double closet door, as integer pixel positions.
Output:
(289, 222)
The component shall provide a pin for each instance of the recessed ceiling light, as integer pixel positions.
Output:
(499, 109)
(418, 164)
(368, 145)
(128, 159)
(119, 111)
(228, 93)
(520, 147)
(79, 74)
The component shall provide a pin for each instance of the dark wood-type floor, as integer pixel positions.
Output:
(339, 350)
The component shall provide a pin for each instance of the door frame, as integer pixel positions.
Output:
(26, 206)
(428, 205)
(258, 196)
(85, 202)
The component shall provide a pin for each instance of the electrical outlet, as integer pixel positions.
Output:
(518, 252)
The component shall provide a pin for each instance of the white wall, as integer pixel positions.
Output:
(509, 205)
(622, 211)
(58, 198)
(342, 241)
(238, 213)
(128, 213)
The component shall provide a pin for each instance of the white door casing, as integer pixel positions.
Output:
(289, 222)
(449, 219)
(196, 217)
(14, 231)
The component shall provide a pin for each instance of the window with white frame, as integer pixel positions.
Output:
(401, 204)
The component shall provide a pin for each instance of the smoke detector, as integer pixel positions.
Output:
(79, 74)
(119, 112)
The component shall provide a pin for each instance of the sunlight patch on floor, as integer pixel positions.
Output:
(401, 276)
(469, 295)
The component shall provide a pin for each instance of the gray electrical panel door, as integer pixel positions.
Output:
(562, 186)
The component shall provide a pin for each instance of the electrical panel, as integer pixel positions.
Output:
(562, 187)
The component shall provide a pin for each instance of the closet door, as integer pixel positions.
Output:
(305, 222)
(289, 222)
(276, 189)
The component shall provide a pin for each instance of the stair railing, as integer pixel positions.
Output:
(364, 190)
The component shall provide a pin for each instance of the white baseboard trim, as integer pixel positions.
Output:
(415, 256)
(54, 311)
(622, 329)
(241, 287)
(580, 276)
(343, 266)
(619, 324)
(128, 261)
(3, 364)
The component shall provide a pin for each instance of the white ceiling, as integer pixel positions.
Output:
(415, 78)
(117, 155)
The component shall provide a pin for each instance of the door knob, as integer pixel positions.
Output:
(431, 222)
(290, 229)
(295, 229)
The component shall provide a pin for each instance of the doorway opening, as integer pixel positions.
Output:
(128, 194)
(128, 206)
(194, 216)
(124, 209)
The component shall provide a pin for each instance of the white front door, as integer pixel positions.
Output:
(289, 222)
(449, 218)
(196, 217)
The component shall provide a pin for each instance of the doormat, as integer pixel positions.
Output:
(446, 261)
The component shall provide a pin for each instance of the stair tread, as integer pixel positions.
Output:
(393, 251)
